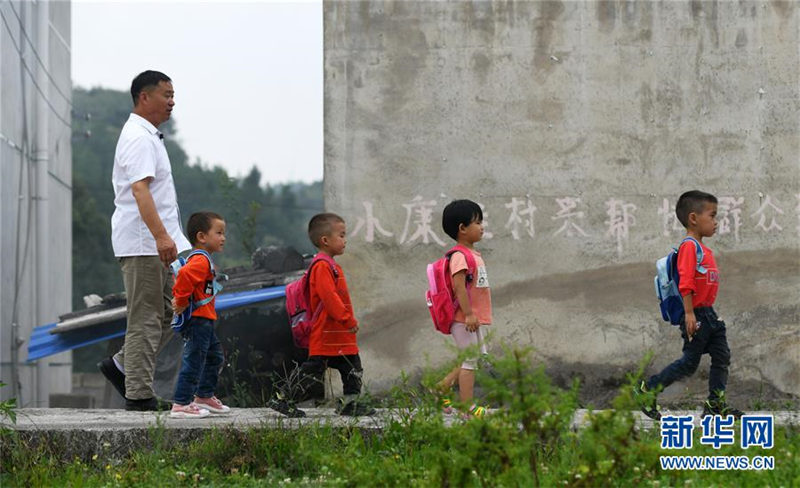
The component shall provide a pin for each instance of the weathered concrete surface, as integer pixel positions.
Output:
(114, 433)
(576, 124)
(35, 193)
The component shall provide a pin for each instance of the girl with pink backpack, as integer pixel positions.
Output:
(461, 276)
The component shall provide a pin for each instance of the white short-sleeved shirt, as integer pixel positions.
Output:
(141, 154)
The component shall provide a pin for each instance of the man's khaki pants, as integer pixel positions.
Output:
(148, 287)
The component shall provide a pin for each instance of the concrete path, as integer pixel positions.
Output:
(65, 419)
(85, 434)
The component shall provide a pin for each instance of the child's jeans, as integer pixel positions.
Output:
(202, 358)
(709, 338)
(349, 368)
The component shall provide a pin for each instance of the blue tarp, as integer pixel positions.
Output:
(42, 343)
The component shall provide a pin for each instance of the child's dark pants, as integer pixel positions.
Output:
(709, 338)
(202, 358)
(349, 368)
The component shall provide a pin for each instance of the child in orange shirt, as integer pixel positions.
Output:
(202, 351)
(333, 335)
(462, 220)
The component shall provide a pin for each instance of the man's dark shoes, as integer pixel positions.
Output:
(720, 407)
(354, 408)
(113, 374)
(284, 406)
(646, 401)
(147, 405)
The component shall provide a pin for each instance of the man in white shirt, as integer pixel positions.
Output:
(146, 235)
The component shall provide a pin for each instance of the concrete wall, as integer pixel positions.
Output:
(35, 193)
(576, 125)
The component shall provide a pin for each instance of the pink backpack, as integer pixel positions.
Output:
(298, 298)
(442, 303)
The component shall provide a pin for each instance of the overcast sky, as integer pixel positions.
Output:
(247, 75)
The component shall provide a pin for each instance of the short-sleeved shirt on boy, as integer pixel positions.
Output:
(703, 286)
(479, 294)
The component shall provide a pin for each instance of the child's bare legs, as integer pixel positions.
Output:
(449, 381)
(466, 371)
(466, 384)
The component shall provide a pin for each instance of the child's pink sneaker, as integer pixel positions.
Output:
(212, 404)
(190, 411)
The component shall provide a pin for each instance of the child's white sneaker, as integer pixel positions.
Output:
(190, 411)
(212, 404)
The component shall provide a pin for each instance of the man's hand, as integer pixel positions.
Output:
(353, 329)
(167, 250)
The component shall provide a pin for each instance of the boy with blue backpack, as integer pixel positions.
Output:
(194, 309)
(693, 271)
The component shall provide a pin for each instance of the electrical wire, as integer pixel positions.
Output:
(20, 265)
(36, 54)
(32, 76)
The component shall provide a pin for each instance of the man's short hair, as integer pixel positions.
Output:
(320, 225)
(692, 201)
(146, 80)
(200, 222)
(460, 212)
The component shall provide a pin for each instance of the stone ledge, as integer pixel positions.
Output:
(68, 419)
(115, 433)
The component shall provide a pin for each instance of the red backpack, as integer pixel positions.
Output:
(442, 302)
(298, 298)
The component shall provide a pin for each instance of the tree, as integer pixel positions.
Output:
(255, 215)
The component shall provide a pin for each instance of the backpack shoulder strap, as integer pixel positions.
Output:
(320, 257)
(698, 249)
(201, 252)
(215, 287)
(468, 256)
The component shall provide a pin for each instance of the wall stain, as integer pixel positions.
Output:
(784, 8)
(741, 39)
(409, 48)
(571, 149)
(709, 11)
(646, 104)
(480, 16)
(606, 15)
(669, 103)
(546, 110)
(481, 64)
(544, 27)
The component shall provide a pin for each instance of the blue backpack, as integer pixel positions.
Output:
(179, 321)
(667, 281)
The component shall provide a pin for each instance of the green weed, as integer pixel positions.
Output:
(528, 441)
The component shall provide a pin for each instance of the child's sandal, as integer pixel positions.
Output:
(477, 411)
(447, 406)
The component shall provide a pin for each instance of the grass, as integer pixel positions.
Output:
(528, 442)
